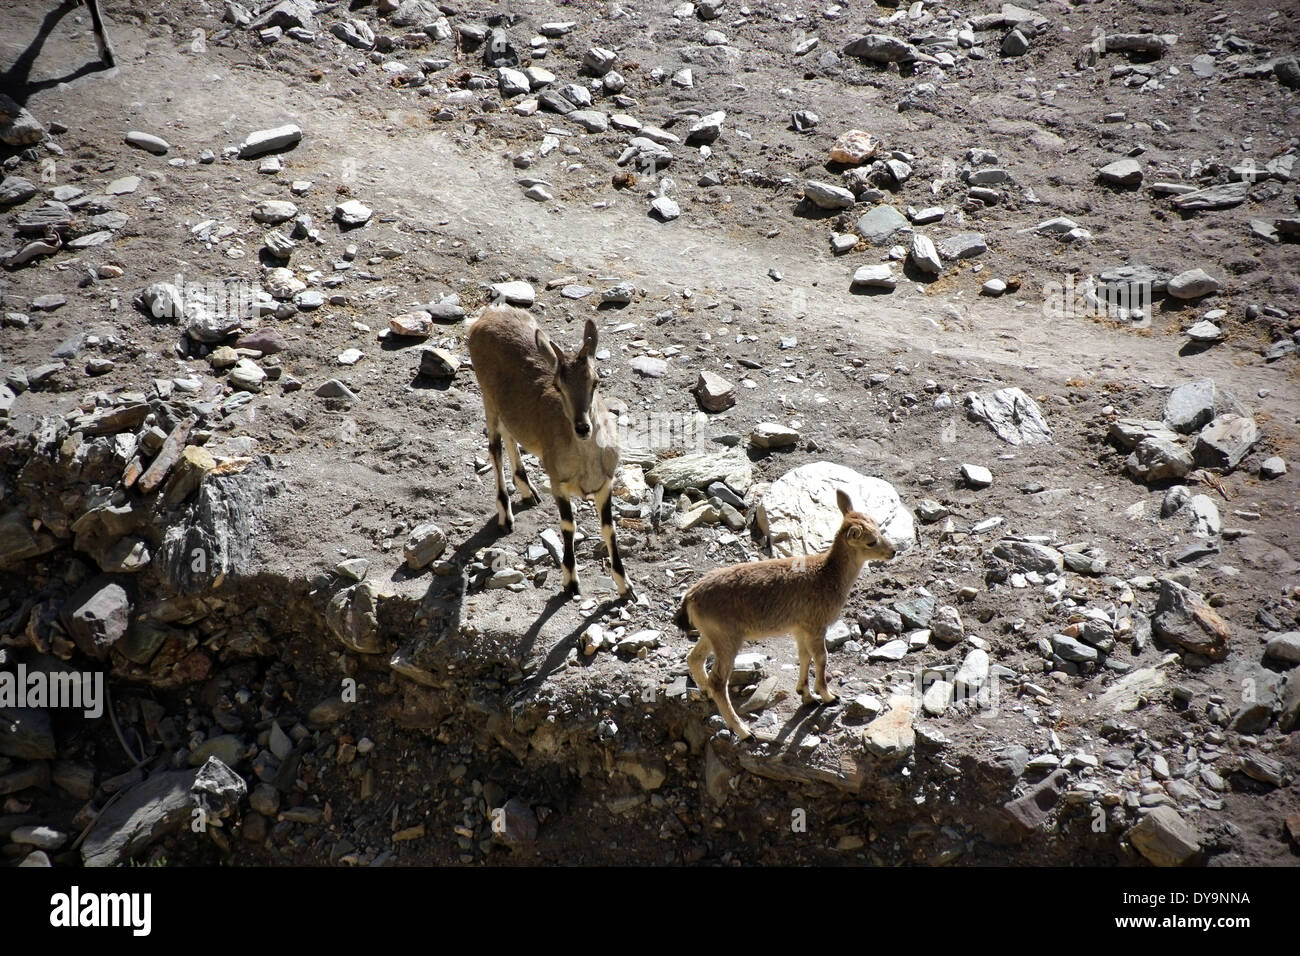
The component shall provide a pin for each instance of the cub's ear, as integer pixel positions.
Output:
(548, 348)
(842, 500)
(588, 340)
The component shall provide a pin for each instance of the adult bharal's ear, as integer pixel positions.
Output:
(588, 340)
(842, 500)
(548, 348)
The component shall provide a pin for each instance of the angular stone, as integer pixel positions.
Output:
(514, 293)
(700, 469)
(352, 213)
(1225, 441)
(161, 805)
(438, 363)
(1190, 406)
(417, 324)
(1030, 811)
(167, 456)
(1223, 196)
(880, 48)
(890, 736)
(773, 435)
(424, 546)
(855, 147)
(1074, 650)
(97, 617)
(826, 196)
(964, 245)
(1124, 173)
(1165, 838)
(924, 255)
(1155, 460)
(977, 476)
(1011, 414)
(1128, 433)
(1028, 556)
(714, 393)
(1182, 617)
(665, 208)
(875, 277)
(880, 224)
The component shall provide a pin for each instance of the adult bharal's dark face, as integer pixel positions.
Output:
(576, 382)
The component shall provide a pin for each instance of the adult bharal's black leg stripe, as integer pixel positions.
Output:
(607, 526)
(567, 529)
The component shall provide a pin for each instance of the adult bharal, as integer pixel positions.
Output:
(536, 396)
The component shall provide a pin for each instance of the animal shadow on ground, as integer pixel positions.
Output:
(16, 82)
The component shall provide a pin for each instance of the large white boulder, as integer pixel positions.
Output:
(799, 514)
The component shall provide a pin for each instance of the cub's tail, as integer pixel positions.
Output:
(683, 617)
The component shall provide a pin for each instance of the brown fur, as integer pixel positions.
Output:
(799, 596)
(537, 396)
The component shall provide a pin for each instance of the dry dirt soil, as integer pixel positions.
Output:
(745, 284)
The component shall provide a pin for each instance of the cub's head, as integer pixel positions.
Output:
(861, 533)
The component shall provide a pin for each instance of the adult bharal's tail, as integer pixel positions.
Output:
(683, 618)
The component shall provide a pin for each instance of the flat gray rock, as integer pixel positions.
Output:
(964, 245)
(150, 810)
(1224, 196)
(1011, 414)
(880, 224)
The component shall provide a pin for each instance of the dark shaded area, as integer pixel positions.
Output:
(16, 81)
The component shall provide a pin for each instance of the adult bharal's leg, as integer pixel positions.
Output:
(604, 505)
(526, 489)
(566, 530)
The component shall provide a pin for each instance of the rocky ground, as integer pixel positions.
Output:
(1026, 273)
